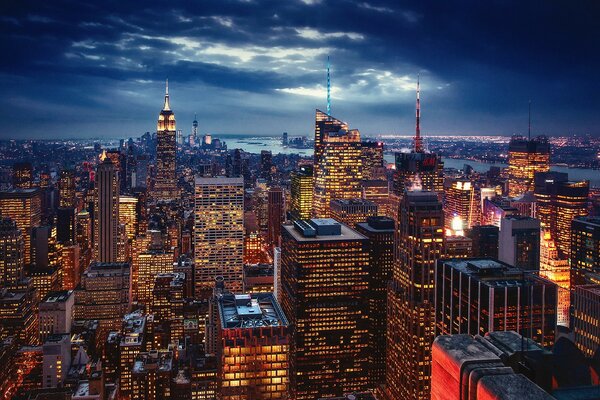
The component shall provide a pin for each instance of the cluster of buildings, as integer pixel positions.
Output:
(215, 274)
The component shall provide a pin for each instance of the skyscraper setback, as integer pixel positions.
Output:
(165, 187)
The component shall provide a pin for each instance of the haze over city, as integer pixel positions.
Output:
(258, 67)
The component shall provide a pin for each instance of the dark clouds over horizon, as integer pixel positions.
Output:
(71, 69)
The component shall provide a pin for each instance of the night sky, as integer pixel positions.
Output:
(71, 69)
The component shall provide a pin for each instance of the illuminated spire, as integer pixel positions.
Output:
(328, 90)
(418, 139)
(166, 107)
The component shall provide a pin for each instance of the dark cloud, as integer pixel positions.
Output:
(78, 69)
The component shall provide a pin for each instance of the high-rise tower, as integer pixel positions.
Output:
(165, 187)
(106, 210)
(525, 158)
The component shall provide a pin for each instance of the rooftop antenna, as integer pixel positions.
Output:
(529, 124)
(328, 90)
(418, 139)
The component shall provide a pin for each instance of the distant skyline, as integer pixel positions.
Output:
(253, 67)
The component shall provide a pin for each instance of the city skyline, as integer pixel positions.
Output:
(84, 71)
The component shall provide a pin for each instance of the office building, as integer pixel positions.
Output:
(475, 368)
(495, 209)
(560, 201)
(106, 212)
(70, 266)
(352, 211)
(254, 347)
(136, 338)
(66, 189)
(24, 207)
(419, 243)
(372, 159)
(459, 247)
(324, 125)
(149, 264)
(556, 269)
(22, 176)
(165, 185)
(339, 171)
(152, 375)
(57, 360)
(461, 209)
(219, 232)
(275, 213)
(519, 242)
(485, 241)
(18, 313)
(525, 158)
(168, 302)
(259, 278)
(586, 314)
(56, 313)
(266, 165)
(380, 234)
(301, 187)
(104, 295)
(585, 248)
(325, 295)
(12, 252)
(128, 215)
(476, 296)
(66, 228)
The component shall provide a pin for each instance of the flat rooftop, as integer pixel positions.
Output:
(250, 311)
(345, 235)
(491, 272)
(220, 180)
(60, 296)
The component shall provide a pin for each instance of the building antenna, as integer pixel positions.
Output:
(418, 139)
(529, 124)
(328, 90)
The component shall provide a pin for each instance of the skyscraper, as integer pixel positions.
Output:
(325, 295)
(106, 212)
(380, 233)
(12, 253)
(585, 248)
(301, 187)
(219, 232)
(24, 207)
(352, 211)
(519, 242)
(477, 296)
(372, 159)
(419, 243)
(559, 202)
(165, 187)
(485, 241)
(557, 270)
(66, 189)
(338, 172)
(462, 207)
(325, 124)
(586, 312)
(525, 158)
(22, 177)
(275, 207)
(151, 263)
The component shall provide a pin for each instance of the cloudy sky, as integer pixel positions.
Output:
(71, 69)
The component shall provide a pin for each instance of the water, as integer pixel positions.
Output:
(257, 144)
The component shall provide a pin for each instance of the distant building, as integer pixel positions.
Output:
(165, 186)
(276, 215)
(352, 211)
(585, 248)
(461, 209)
(106, 212)
(372, 159)
(302, 182)
(24, 207)
(525, 158)
(12, 252)
(22, 177)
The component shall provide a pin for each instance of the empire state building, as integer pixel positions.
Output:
(165, 187)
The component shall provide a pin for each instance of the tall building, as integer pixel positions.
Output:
(557, 270)
(325, 295)
(128, 215)
(585, 248)
(372, 159)
(106, 212)
(586, 312)
(24, 207)
(219, 232)
(476, 296)
(324, 125)
(56, 313)
(380, 233)
(151, 263)
(418, 169)
(378, 191)
(18, 313)
(253, 347)
(12, 253)
(301, 187)
(519, 242)
(70, 266)
(352, 211)
(419, 243)
(275, 207)
(167, 303)
(135, 339)
(339, 171)
(152, 375)
(22, 177)
(485, 241)
(525, 158)
(66, 189)
(104, 294)
(560, 201)
(266, 163)
(462, 207)
(165, 187)
(66, 227)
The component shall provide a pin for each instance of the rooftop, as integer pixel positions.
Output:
(324, 229)
(492, 272)
(250, 311)
(161, 360)
(378, 224)
(60, 296)
(220, 180)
